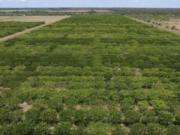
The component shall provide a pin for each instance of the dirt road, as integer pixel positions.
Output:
(48, 20)
(155, 25)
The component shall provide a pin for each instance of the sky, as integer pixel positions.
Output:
(90, 3)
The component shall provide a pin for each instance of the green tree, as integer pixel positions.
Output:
(173, 130)
(41, 129)
(132, 117)
(138, 129)
(63, 128)
(49, 116)
(177, 117)
(165, 117)
(33, 115)
(119, 131)
(143, 105)
(115, 117)
(149, 117)
(154, 129)
(98, 128)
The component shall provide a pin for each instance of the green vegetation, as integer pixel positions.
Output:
(7, 28)
(91, 75)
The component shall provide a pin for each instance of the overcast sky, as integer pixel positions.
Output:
(91, 3)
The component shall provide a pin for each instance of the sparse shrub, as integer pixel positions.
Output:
(173, 27)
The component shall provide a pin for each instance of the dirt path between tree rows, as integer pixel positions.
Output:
(155, 25)
(47, 21)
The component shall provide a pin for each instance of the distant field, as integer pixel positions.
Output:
(46, 19)
(91, 75)
(10, 27)
(167, 22)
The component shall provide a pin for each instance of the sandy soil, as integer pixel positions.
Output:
(25, 107)
(47, 19)
(165, 25)
(172, 22)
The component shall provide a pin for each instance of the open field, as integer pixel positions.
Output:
(46, 19)
(91, 75)
(169, 23)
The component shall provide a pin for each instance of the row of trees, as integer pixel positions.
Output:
(75, 77)
(11, 27)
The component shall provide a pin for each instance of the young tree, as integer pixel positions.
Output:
(177, 117)
(41, 129)
(132, 117)
(49, 116)
(165, 117)
(119, 131)
(149, 117)
(138, 129)
(115, 117)
(33, 115)
(154, 129)
(173, 130)
(63, 128)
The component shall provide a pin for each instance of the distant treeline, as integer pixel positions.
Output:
(71, 11)
(150, 11)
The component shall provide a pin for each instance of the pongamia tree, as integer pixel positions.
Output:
(132, 117)
(42, 129)
(49, 116)
(173, 130)
(154, 129)
(138, 129)
(165, 118)
(63, 128)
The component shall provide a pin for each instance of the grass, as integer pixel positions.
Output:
(91, 74)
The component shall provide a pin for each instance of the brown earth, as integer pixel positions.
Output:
(25, 107)
(165, 25)
(47, 19)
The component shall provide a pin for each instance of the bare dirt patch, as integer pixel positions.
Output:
(136, 108)
(150, 108)
(25, 107)
(46, 19)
